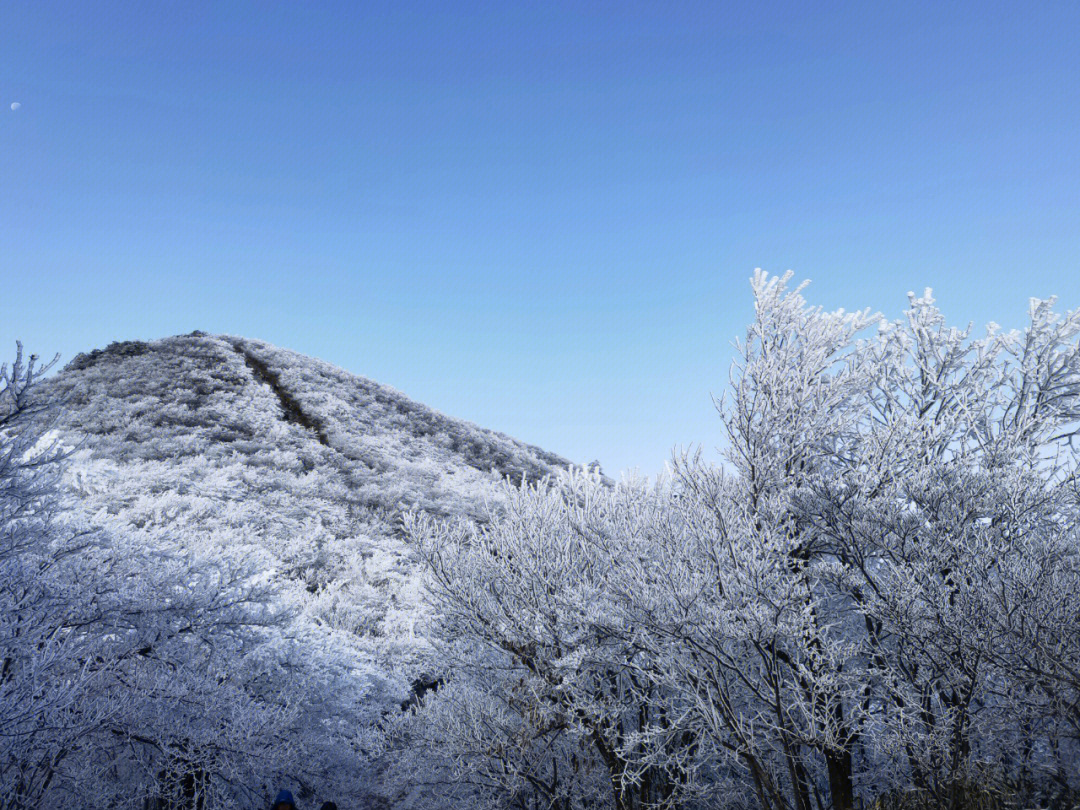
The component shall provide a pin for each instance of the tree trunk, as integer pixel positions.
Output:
(840, 785)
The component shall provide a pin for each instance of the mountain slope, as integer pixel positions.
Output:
(238, 443)
(223, 389)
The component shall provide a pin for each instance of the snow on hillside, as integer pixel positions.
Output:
(242, 444)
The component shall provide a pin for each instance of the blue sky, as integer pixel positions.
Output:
(537, 216)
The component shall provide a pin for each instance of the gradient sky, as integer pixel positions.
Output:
(537, 216)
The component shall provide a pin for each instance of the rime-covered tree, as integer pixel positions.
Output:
(528, 607)
(875, 598)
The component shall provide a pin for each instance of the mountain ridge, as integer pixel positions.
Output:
(233, 443)
(249, 350)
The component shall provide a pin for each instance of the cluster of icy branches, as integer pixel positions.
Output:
(877, 599)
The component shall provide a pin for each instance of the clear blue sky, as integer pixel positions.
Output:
(537, 216)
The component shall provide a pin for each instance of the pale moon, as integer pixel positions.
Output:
(15, 105)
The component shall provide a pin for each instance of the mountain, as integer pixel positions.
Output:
(234, 442)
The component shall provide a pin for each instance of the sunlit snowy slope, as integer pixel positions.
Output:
(233, 443)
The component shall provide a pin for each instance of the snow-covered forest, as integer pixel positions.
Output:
(226, 569)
